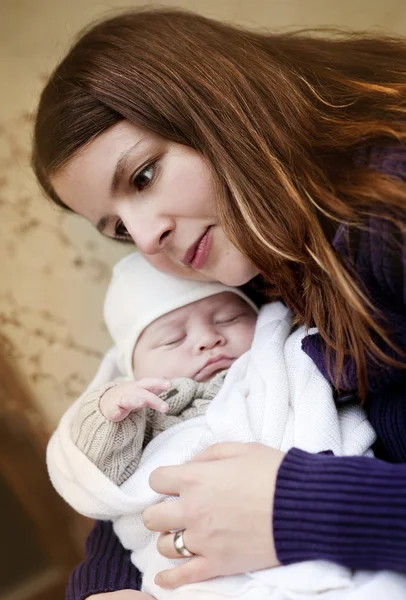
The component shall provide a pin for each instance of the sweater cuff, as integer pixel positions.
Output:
(107, 567)
(349, 510)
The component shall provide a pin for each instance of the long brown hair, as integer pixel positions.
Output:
(279, 117)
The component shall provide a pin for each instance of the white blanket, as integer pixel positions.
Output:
(273, 394)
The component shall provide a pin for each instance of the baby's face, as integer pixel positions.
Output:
(197, 340)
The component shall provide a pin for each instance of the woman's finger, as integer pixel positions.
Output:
(166, 545)
(224, 450)
(166, 516)
(168, 480)
(196, 569)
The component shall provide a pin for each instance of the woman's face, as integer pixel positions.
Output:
(131, 183)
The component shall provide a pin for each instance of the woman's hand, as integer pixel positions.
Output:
(225, 506)
(121, 595)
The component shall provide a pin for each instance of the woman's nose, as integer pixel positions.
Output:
(152, 236)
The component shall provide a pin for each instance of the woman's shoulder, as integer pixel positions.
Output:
(377, 255)
(377, 250)
(389, 160)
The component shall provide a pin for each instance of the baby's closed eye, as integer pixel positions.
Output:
(230, 317)
(173, 340)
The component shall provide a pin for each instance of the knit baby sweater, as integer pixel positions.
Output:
(116, 447)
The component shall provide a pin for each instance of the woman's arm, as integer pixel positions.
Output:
(106, 568)
(350, 510)
(284, 509)
(386, 411)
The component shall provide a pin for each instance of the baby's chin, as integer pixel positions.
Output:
(208, 377)
(211, 376)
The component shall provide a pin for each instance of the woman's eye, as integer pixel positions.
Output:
(143, 178)
(121, 232)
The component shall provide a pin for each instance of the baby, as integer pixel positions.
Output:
(201, 366)
(165, 328)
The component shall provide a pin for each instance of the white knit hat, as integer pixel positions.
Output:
(139, 294)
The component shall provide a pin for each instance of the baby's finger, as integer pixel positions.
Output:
(120, 411)
(140, 399)
(113, 412)
(156, 385)
(156, 403)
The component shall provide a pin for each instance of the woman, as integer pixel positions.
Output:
(275, 161)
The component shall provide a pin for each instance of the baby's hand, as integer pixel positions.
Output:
(117, 403)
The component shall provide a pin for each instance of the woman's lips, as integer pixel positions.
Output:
(202, 249)
(196, 251)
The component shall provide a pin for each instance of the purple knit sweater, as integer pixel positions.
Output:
(350, 510)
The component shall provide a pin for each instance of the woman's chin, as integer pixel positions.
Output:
(238, 277)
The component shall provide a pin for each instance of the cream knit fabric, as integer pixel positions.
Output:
(116, 448)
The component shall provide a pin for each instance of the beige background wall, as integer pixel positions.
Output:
(54, 268)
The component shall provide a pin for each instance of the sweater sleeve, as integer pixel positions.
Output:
(386, 412)
(352, 510)
(114, 447)
(349, 510)
(106, 568)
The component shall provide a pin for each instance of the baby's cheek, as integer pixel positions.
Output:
(145, 366)
(246, 337)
